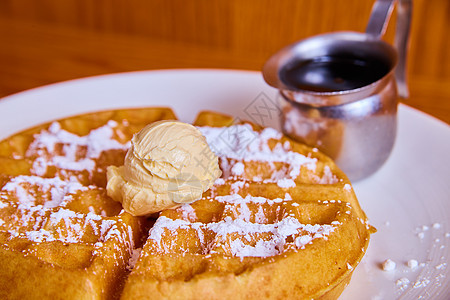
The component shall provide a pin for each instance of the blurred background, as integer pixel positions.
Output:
(47, 41)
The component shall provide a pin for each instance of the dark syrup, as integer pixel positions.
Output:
(333, 73)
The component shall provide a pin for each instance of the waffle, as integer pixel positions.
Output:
(282, 222)
(61, 236)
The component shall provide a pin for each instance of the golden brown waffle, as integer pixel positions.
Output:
(283, 222)
(62, 237)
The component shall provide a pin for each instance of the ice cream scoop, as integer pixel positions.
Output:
(168, 163)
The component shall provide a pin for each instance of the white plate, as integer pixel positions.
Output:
(404, 199)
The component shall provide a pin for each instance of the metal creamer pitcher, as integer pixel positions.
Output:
(339, 91)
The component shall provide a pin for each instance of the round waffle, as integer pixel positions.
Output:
(283, 221)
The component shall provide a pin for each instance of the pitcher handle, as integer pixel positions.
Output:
(379, 18)
(401, 43)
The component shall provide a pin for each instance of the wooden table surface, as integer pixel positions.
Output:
(47, 41)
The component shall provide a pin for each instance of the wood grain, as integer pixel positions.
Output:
(48, 41)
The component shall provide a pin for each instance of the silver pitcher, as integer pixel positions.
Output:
(355, 126)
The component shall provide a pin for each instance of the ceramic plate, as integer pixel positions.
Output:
(407, 200)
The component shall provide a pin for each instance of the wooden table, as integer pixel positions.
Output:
(48, 41)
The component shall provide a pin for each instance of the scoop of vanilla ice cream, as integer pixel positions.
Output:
(169, 163)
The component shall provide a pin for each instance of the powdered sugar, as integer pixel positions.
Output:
(402, 283)
(59, 191)
(40, 236)
(242, 232)
(92, 145)
(238, 169)
(412, 263)
(61, 225)
(236, 199)
(422, 275)
(40, 214)
(286, 183)
(237, 186)
(347, 187)
(389, 265)
(243, 237)
(188, 213)
(328, 177)
(423, 282)
(242, 143)
(219, 181)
